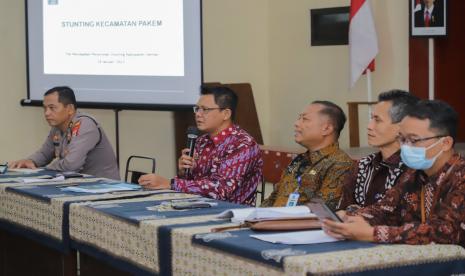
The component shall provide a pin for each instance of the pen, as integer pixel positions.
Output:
(67, 185)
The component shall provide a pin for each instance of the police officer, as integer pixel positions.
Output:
(76, 141)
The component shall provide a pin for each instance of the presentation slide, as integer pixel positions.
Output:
(92, 42)
(116, 53)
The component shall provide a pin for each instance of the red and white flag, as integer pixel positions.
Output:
(417, 6)
(363, 42)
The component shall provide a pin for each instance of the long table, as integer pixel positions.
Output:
(139, 233)
(26, 250)
(34, 224)
(348, 257)
(134, 231)
(170, 243)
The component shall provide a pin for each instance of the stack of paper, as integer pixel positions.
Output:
(24, 170)
(240, 215)
(43, 179)
(103, 188)
(300, 237)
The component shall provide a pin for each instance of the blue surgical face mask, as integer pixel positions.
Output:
(415, 157)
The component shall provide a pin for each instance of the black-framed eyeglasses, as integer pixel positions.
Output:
(412, 141)
(204, 110)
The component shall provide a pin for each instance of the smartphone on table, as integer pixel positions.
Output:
(321, 210)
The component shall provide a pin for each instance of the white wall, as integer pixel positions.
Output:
(264, 42)
(301, 74)
(236, 49)
(17, 122)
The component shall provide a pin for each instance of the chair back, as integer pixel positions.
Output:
(275, 161)
(134, 173)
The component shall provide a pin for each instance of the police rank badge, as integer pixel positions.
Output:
(75, 129)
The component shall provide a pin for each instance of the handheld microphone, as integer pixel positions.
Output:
(192, 134)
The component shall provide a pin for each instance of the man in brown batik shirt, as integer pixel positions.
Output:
(427, 205)
(320, 171)
(373, 175)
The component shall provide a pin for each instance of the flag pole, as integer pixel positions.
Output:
(369, 91)
(431, 68)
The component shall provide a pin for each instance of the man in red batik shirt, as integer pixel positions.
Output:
(227, 163)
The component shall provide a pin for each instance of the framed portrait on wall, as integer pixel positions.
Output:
(428, 18)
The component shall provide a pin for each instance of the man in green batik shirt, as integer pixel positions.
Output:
(320, 171)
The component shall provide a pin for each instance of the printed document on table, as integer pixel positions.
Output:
(103, 188)
(299, 237)
(25, 170)
(240, 215)
(43, 179)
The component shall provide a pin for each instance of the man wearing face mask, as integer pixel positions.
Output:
(376, 173)
(428, 203)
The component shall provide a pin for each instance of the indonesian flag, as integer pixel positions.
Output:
(363, 42)
(417, 6)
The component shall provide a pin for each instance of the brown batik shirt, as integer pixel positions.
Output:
(369, 179)
(397, 218)
(321, 174)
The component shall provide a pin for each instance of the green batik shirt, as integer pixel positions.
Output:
(322, 175)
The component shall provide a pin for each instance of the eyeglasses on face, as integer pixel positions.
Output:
(204, 110)
(412, 141)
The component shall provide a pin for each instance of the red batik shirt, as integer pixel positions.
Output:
(397, 217)
(228, 167)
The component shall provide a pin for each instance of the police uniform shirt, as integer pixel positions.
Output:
(83, 148)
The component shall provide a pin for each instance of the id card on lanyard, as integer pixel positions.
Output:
(294, 196)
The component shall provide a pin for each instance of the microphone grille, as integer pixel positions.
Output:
(193, 132)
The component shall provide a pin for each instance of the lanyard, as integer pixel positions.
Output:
(296, 171)
(293, 198)
(299, 183)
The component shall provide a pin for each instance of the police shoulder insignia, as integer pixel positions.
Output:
(75, 129)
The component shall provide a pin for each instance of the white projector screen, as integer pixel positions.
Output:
(121, 53)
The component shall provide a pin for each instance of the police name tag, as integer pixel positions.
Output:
(293, 199)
